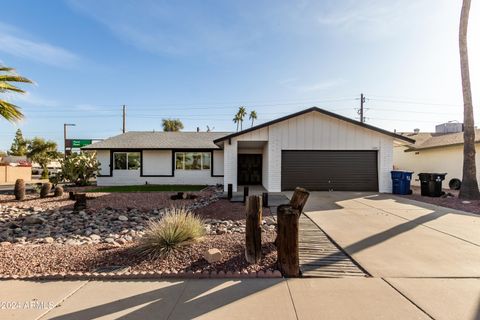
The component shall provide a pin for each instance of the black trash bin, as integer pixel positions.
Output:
(431, 184)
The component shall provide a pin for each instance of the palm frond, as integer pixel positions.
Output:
(14, 78)
(6, 69)
(10, 111)
(5, 86)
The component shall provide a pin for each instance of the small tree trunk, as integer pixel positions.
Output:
(299, 199)
(253, 230)
(469, 188)
(287, 241)
(80, 202)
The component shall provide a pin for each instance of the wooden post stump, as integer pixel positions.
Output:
(230, 191)
(299, 199)
(245, 194)
(253, 230)
(71, 195)
(80, 202)
(287, 241)
(265, 199)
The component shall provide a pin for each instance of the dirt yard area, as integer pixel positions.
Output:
(449, 200)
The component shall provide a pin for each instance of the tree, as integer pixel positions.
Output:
(79, 168)
(42, 152)
(172, 124)
(236, 119)
(8, 110)
(242, 112)
(19, 145)
(469, 189)
(253, 116)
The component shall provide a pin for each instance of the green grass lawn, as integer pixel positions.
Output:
(149, 188)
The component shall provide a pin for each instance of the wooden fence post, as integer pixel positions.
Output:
(245, 194)
(253, 230)
(230, 191)
(299, 199)
(287, 233)
(287, 241)
(265, 199)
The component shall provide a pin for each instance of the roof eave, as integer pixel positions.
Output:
(325, 112)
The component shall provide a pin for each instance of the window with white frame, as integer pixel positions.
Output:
(126, 160)
(192, 160)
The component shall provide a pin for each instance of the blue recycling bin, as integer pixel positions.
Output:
(401, 181)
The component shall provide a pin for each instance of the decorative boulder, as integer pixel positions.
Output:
(213, 255)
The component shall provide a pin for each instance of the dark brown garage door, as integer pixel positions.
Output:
(330, 170)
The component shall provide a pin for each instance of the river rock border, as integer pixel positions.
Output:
(146, 275)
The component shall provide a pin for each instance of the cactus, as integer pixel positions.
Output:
(46, 188)
(19, 190)
(58, 192)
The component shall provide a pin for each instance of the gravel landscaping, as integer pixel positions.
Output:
(47, 235)
(52, 258)
(450, 200)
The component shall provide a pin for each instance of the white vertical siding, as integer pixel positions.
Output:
(103, 156)
(157, 162)
(316, 131)
(218, 164)
(265, 166)
(230, 164)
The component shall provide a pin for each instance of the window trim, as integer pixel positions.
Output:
(201, 153)
(126, 160)
(173, 151)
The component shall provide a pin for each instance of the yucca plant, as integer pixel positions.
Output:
(178, 228)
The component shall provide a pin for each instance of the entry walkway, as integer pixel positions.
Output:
(319, 257)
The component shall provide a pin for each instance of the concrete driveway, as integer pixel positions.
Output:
(394, 237)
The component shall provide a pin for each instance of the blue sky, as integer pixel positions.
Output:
(200, 60)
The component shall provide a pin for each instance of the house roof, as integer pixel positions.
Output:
(159, 140)
(428, 140)
(325, 112)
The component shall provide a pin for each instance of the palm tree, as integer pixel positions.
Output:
(242, 112)
(172, 124)
(469, 189)
(42, 152)
(8, 110)
(236, 120)
(253, 116)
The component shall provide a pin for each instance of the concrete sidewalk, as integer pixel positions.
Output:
(340, 298)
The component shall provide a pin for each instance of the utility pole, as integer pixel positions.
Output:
(362, 101)
(65, 125)
(124, 118)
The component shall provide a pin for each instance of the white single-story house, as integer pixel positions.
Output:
(313, 148)
(438, 152)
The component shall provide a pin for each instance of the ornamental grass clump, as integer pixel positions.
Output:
(178, 228)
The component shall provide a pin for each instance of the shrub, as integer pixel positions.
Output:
(46, 188)
(19, 189)
(79, 168)
(58, 192)
(178, 228)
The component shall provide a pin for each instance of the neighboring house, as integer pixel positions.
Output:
(313, 148)
(439, 152)
(13, 168)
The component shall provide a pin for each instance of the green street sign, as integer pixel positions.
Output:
(79, 143)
